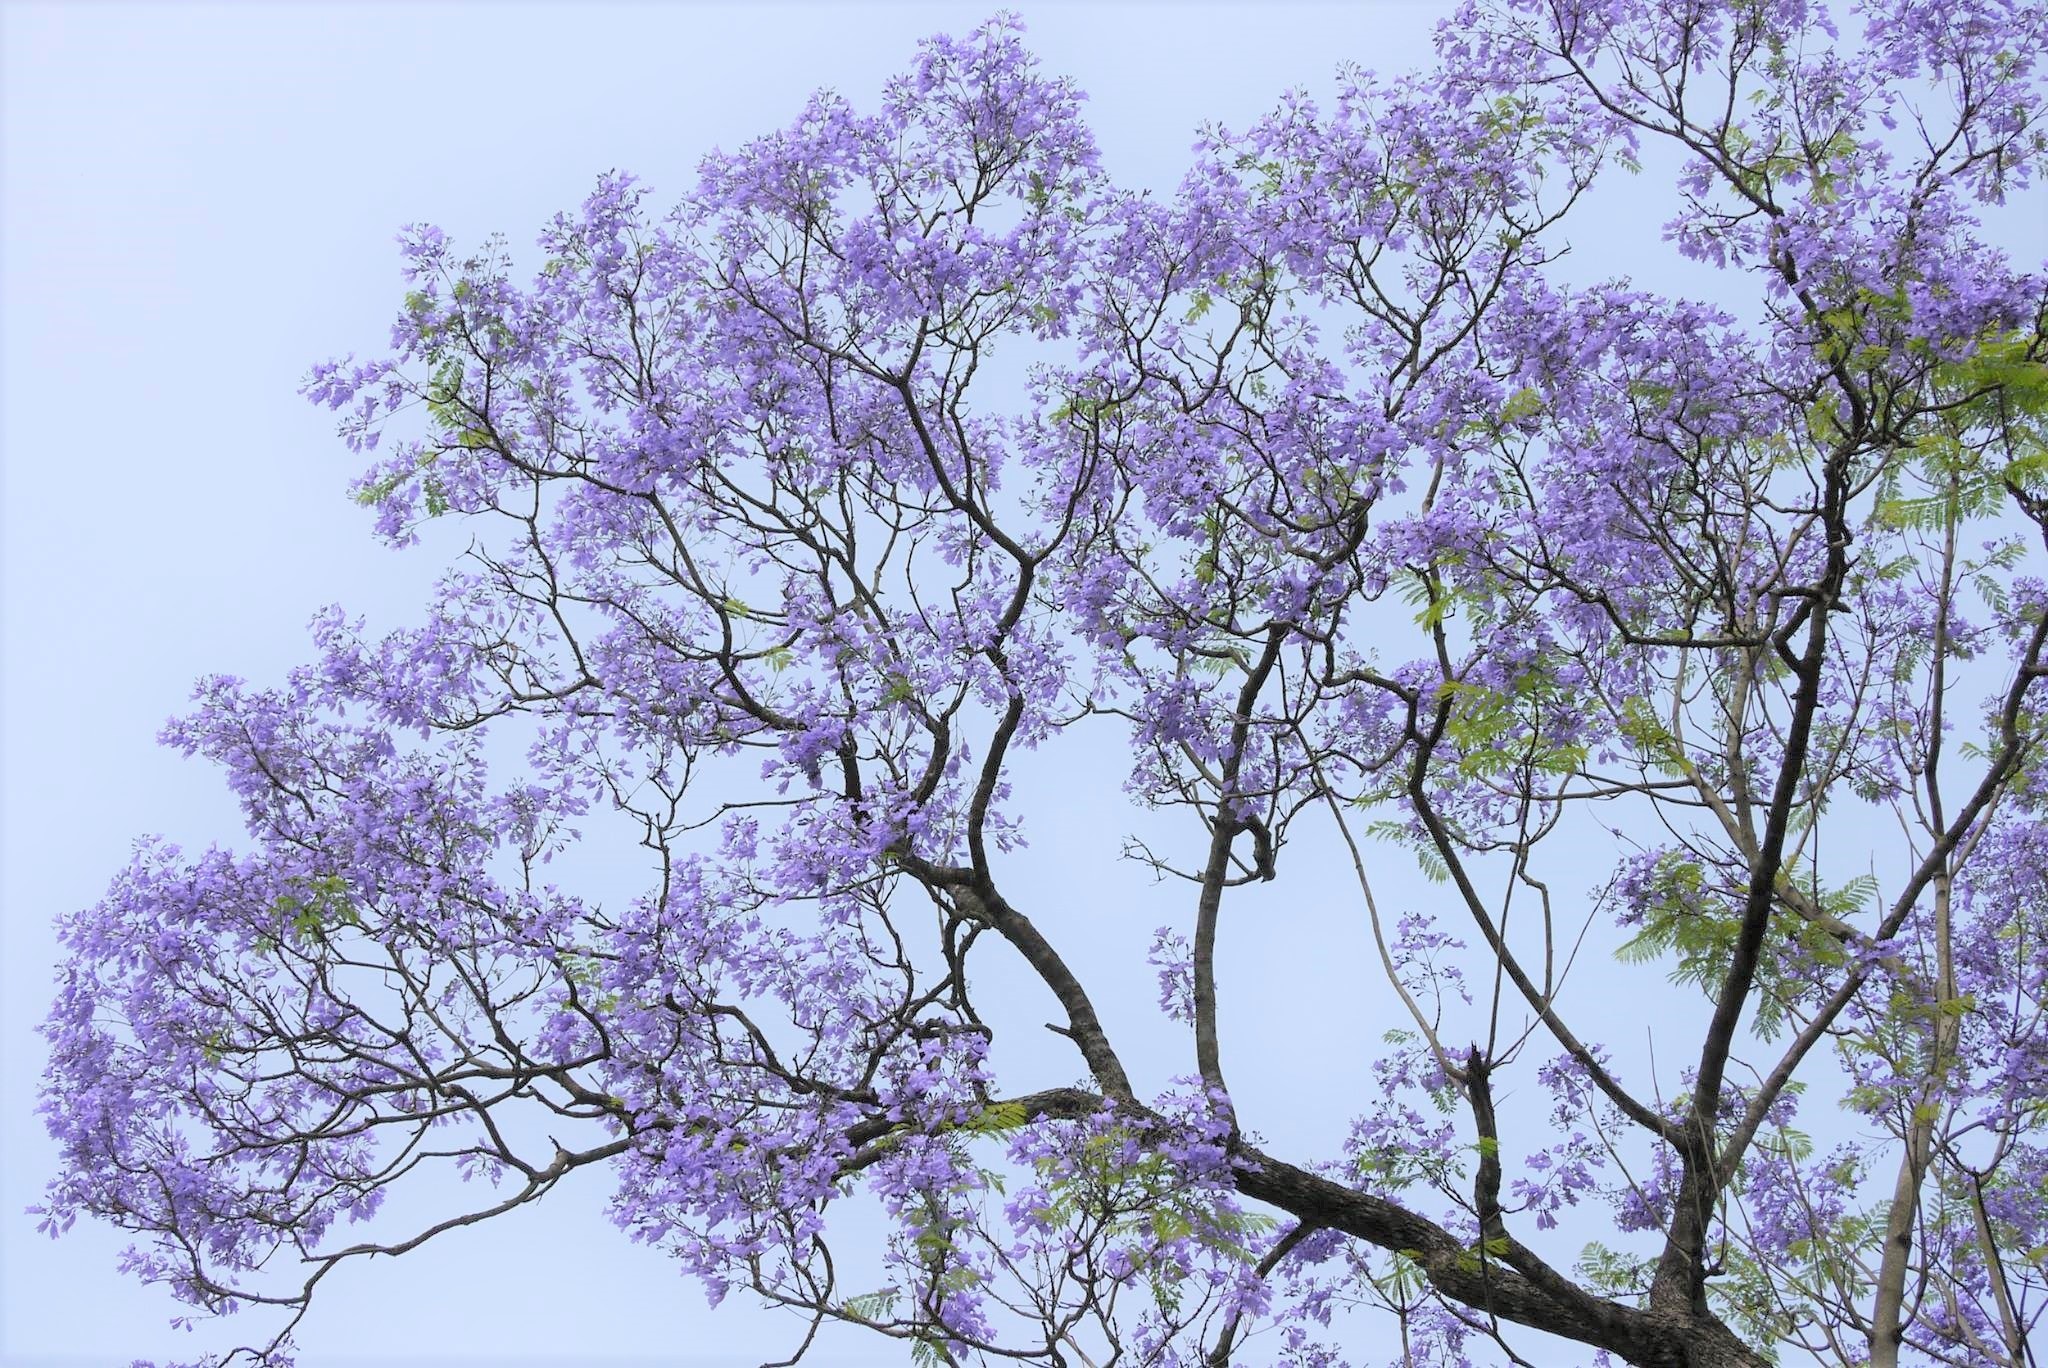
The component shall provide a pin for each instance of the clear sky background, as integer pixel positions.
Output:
(199, 202)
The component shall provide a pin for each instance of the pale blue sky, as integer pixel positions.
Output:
(199, 201)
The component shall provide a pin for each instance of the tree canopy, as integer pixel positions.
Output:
(1691, 648)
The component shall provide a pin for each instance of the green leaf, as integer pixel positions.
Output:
(1523, 404)
(1001, 1118)
(313, 908)
(872, 1306)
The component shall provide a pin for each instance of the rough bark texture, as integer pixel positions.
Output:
(1650, 1339)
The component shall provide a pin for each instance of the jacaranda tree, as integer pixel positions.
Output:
(1692, 646)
